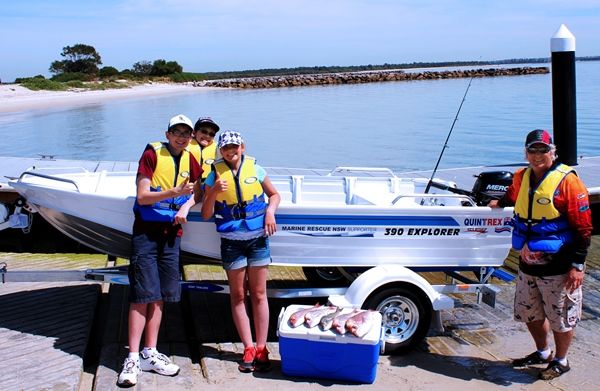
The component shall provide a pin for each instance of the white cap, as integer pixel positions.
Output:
(180, 119)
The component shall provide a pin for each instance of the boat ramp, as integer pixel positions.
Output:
(57, 336)
(73, 336)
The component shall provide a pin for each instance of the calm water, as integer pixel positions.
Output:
(400, 125)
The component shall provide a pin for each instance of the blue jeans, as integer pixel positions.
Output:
(237, 254)
(154, 268)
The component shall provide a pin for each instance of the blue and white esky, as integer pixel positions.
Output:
(222, 35)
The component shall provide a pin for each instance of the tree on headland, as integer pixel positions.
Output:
(108, 72)
(163, 68)
(142, 68)
(79, 58)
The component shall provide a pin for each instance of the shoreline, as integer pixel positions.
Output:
(14, 98)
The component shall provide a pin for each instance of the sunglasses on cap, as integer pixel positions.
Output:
(542, 149)
(207, 132)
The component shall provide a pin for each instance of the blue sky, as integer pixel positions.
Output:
(245, 34)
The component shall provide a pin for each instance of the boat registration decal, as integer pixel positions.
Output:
(358, 231)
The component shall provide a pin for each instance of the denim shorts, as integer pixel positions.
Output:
(237, 254)
(154, 268)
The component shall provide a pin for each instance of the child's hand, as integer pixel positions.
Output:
(181, 216)
(220, 185)
(270, 224)
(185, 187)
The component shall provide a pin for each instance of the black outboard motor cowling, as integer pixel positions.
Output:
(491, 185)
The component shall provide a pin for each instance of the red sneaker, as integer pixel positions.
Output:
(247, 364)
(262, 362)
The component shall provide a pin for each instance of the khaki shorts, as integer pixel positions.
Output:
(537, 298)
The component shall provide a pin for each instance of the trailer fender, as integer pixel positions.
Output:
(376, 277)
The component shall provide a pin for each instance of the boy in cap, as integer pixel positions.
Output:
(235, 195)
(202, 145)
(166, 177)
(552, 230)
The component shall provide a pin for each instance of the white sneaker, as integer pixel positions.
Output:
(129, 374)
(158, 363)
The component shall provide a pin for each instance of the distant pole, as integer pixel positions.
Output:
(564, 108)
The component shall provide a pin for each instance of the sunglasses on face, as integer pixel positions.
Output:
(207, 132)
(180, 133)
(536, 150)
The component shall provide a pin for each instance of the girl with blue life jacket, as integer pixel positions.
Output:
(235, 194)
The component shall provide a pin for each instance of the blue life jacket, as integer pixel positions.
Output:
(243, 204)
(167, 175)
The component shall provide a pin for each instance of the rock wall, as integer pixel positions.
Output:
(365, 77)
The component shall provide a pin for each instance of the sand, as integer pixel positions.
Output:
(15, 98)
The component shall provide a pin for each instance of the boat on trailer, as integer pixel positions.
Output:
(375, 229)
(351, 217)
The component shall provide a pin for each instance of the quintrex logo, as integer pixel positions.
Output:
(482, 222)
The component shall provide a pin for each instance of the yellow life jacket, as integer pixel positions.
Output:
(542, 205)
(166, 176)
(537, 222)
(205, 156)
(243, 204)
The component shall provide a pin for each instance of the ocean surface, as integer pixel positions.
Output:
(398, 125)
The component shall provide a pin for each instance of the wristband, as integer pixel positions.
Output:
(578, 266)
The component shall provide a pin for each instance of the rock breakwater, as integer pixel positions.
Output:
(365, 77)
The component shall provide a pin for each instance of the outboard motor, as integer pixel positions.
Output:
(491, 185)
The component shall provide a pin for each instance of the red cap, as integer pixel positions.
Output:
(538, 136)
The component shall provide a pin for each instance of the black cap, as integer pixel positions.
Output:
(538, 136)
(206, 121)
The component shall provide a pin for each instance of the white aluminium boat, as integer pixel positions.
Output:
(350, 217)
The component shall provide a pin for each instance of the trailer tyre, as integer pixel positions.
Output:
(406, 317)
(324, 276)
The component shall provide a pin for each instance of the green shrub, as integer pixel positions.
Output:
(64, 77)
(19, 80)
(108, 72)
(75, 84)
(185, 77)
(37, 84)
(107, 86)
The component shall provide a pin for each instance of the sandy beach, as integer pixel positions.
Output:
(15, 98)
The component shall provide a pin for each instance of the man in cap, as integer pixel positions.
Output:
(552, 230)
(165, 181)
(202, 145)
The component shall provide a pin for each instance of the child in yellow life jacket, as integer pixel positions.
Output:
(202, 146)
(234, 195)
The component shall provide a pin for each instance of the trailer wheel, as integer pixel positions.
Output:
(324, 276)
(406, 317)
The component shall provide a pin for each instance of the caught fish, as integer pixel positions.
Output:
(312, 318)
(361, 323)
(297, 318)
(327, 321)
(339, 322)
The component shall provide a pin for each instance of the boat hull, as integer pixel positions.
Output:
(318, 237)
(312, 234)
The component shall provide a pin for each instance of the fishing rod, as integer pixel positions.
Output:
(430, 182)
